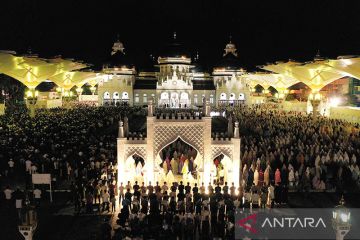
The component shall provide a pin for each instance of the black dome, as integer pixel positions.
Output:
(119, 59)
(198, 65)
(174, 49)
(148, 65)
(229, 62)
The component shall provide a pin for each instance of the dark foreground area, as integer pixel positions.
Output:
(55, 223)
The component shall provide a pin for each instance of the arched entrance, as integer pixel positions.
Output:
(174, 100)
(178, 159)
(164, 99)
(135, 168)
(184, 100)
(220, 168)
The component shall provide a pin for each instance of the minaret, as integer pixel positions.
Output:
(236, 131)
(126, 126)
(230, 126)
(151, 107)
(121, 129)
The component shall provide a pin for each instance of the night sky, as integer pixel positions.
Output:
(263, 31)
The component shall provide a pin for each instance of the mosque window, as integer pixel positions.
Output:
(223, 96)
(211, 99)
(125, 95)
(195, 99)
(136, 98)
(145, 98)
(241, 96)
(116, 95)
(106, 95)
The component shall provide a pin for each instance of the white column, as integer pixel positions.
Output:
(121, 161)
(207, 151)
(150, 158)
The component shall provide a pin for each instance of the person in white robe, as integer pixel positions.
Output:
(170, 178)
(174, 165)
(256, 177)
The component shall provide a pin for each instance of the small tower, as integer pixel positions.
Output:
(151, 107)
(126, 126)
(230, 48)
(236, 130)
(230, 126)
(121, 129)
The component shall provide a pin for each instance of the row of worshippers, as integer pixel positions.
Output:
(314, 153)
(209, 207)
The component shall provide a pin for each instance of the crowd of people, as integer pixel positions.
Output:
(180, 211)
(77, 146)
(279, 152)
(179, 158)
(298, 151)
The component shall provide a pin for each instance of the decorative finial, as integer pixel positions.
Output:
(230, 48)
(318, 57)
(118, 46)
(342, 201)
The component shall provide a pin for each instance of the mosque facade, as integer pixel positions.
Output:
(173, 80)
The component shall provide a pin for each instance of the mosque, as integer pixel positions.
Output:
(175, 80)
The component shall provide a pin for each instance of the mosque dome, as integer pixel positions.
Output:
(118, 58)
(198, 66)
(230, 60)
(148, 65)
(174, 49)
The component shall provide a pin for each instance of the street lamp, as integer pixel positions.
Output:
(67, 96)
(93, 90)
(341, 220)
(28, 222)
(31, 97)
(79, 91)
(315, 99)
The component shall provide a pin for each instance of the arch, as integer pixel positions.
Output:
(171, 141)
(116, 95)
(227, 165)
(131, 172)
(241, 96)
(124, 95)
(164, 95)
(211, 99)
(232, 96)
(106, 95)
(223, 96)
(184, 96)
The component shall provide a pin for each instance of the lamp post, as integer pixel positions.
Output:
(341, 220)
(67, 96)
(315, 99)
(28, 223)
(93, 90)
(281, 95)
(31, 97)
(79, 91)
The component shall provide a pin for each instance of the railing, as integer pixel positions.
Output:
(116, 102)
(230, 103)
(177, 113)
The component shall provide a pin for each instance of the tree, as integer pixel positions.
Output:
(11, 90)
